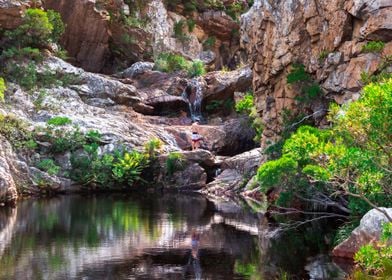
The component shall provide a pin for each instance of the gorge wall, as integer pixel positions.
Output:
(327, 38)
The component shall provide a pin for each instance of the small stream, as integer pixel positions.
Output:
(167, 236)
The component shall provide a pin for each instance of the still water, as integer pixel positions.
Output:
(170, 236)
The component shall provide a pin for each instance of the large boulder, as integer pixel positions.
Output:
(368, 231)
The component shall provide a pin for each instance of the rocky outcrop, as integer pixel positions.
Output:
(11, 12)
(326, 37)
(237, 171)
(8, 191)
(368, 231)
(87, 32)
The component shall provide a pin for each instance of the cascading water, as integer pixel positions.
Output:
(193, 94)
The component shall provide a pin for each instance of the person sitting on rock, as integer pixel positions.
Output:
(196, 137)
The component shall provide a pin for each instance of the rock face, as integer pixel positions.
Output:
(11, 13)
(8, 192)
(368, 231)
(236, 172)
(325, 36)
(87, 32)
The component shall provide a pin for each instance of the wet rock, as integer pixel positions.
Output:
(368, 231)
(191, 178)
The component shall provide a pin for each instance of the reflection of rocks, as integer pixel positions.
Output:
(7, 227)
(368, 231)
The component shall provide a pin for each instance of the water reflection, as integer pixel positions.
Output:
(142, 237)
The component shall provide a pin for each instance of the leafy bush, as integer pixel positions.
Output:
(196, 68)
(174, 162)
(246, 104)
(15, 130)
(59, 121)
(373, 46)
(152, 147)
(323, 55)
(297, 74)
(376, 260)
(2, 89)
(107, 170)
(179, 27)
(167, 62)
(49, 166)
(352, 158)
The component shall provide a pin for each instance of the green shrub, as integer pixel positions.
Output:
(246, 104)
(376, 261)
(59, 121)
(93, 136)
(310, 90)
(167, 62)
(196, 68)
(2, 89)
(179, 27)
(15, 130)
(152, 147)
(107, 170)
(277, 172)
(373, 46)
(191, 24)
(174, 162)
(49, 166)
(297, 74)
(323, 55)
(35, 31)
(210, 42)
(57, 23)
(214, 105)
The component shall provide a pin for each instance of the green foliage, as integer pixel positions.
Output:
(167, 62)
(59, 121)
(323, 55)
(179, 27)
(376, 260)
(352, 158)
(2, 89)
(214, 105)
(246, 104)
(196, 68)
(174, 162)
(152, 147)
(276, 172)
(191, 24)
(49, 166)
(373, 47)
(210, 42)
(297, 74)
(15, 130)
(107, 170)
(57, 23)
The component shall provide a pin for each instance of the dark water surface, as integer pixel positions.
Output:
(168, 236)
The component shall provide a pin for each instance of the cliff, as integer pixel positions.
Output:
(327, 38)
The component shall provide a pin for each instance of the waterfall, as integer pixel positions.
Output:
(193, 94)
